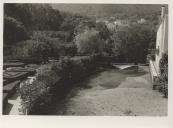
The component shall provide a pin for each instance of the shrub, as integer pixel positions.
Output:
(35, 97)
(69, 49)
(36, 50)
(47, 75)
(54, 81)
(38, 95)
(58, 46)
(163, 64)
(61, 35)
(75, 69)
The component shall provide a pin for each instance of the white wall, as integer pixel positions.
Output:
(162, 40)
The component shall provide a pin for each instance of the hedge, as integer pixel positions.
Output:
(54, 81)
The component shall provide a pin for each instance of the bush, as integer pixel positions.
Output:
(76, 68)
(35, 97)
(47, 75)
(36, 50)
(68, 49)
(58, 46)
(54, 81)
(163, 64)
(61, 35)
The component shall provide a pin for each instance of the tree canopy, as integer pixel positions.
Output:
(89, 42)
(34, 16)
(52, 33)
(14, 31)
(132, 42)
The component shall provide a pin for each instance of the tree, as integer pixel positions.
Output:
(103, 30)
(21, 12)
(45, 18)
(89, 42)
(14, 31)
(34, 16)
(132, 43)
(35, 50)
(68, 49)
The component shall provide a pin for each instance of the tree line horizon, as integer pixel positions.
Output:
(39, 32)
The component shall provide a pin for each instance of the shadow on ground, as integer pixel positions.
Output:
(105, 78)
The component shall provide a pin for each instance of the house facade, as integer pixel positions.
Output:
(161, 46)
(162, 38)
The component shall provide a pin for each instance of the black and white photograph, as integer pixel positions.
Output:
(65, 59)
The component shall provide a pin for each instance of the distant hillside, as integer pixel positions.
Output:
(109, 9)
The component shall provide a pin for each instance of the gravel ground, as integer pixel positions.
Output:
(115, 93)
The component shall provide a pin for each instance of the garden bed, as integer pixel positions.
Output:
(13, 64)
(14, 76)
(21, 69)
(11, 87)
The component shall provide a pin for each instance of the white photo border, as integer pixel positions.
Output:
(16, 121)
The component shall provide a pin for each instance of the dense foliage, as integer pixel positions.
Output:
(163, 64)
(34, 16)
(131, 43)
(45, 27)
(35, 51)
(53, 81)
(43, 50)
(89, 42)
(55, 34)
(14, 31)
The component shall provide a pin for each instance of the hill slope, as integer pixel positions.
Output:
(109, 9)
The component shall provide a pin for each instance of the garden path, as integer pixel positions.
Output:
(115, 93)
